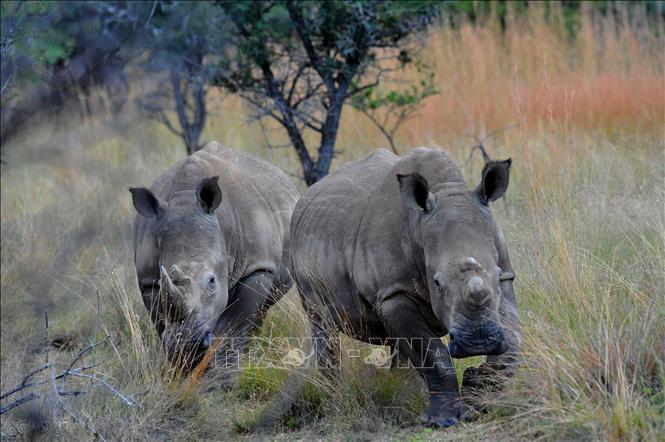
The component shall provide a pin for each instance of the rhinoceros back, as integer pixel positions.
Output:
(326, 220)
(350, 229)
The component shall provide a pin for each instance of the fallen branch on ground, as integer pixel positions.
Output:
(30, 385)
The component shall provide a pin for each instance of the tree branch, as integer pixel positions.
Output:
(18, 402)
(81, 354)
(76, 419)
(294, 82)
(381, 127)
(162, 118)
(301, 28)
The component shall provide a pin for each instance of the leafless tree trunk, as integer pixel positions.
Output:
(188, 94)
(190, 101)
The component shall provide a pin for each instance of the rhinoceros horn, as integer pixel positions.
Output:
(478, 292)
(174, 300)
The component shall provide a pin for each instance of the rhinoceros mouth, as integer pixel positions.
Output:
(464, 346)
(460, 351)
(190, 347)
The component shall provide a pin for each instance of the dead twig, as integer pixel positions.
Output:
(71, 371)
(24, 384)
(481, 146)
(80, 355)
(46, 337)
(125, 399)
(18, 402)
(72, 415)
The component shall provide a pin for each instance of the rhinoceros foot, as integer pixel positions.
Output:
(446, 410)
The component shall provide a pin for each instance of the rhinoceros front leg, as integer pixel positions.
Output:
(253, 296)
(490, 373)
(407, 325)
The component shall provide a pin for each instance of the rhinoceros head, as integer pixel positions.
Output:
(456, 233)
(193, 285)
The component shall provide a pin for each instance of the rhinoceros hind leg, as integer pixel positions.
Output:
(481, 378)
(324, 319)
(480, 382)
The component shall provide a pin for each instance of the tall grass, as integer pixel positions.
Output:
(608, 76)
(583, 217)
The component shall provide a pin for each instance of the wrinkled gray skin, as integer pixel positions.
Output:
(389, 247)
(209, 240)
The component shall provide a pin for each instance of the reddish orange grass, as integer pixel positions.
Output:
(487, 78)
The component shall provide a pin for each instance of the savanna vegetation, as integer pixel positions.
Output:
(574, 96)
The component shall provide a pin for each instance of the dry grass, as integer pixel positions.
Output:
(584, 219)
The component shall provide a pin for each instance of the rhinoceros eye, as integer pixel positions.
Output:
(212, 284)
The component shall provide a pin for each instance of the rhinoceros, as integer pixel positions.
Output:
(209, 240)
(399, 251)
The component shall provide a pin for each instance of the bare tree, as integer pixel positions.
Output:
(190, 103)
(182, 39)
(183, 94)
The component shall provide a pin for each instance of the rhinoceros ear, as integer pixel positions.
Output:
(209, 194)
(415, 192)
(494, 182)
(146, 203)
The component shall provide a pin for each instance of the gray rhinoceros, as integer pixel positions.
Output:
(400, 251)
(209, 241)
